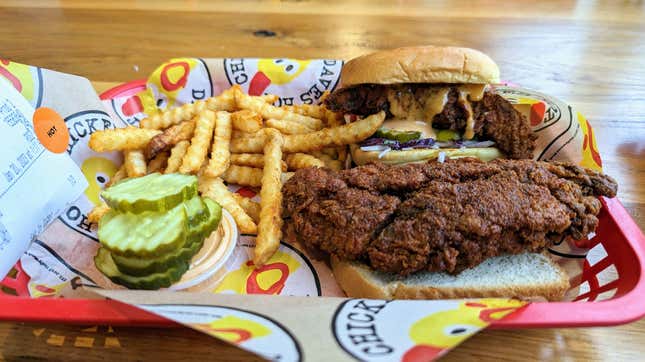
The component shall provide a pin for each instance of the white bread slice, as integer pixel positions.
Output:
(525, 276)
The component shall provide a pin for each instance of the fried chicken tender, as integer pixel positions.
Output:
(441, 216)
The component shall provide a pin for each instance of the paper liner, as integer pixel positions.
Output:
(327, 329)
(286, 327)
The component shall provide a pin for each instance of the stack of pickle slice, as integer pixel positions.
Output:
(156, 224)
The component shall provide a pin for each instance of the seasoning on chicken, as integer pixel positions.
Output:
(441, 216)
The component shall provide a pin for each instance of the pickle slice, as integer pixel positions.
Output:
(401, 136)
(106, 265)
(147, 234)
(194, 241)
(446, 135)
(145, 266)
(216, 216)
(197, 235)
(154, 192)
(196, 211)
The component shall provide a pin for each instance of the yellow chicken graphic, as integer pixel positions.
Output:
(268, 279)
(42, 290)
(590, 155)
(275, 71)
(532, 109)
(441, 331)
(169, 79)
(19, 76)
(97, 171)
(233, 329)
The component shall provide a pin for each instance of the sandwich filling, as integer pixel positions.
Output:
(441, 217)
(471, 112)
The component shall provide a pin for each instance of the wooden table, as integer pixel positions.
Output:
(586, 53)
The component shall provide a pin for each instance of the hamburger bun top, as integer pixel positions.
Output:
(422, 64)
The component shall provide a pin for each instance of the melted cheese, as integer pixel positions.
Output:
(468, 93)
(469, 132)
(475, 91)
(409, 125)
(434, 103)
(403, 104)
(412, 109)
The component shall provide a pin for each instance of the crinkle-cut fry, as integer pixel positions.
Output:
(248, 144)
(323, 97)
(302, 160)
(270, 225)
(330, 162)
(121, 139)
(251, 207)
(335, 165)
(158, 163)
(310, 110)
(243, 175)
(251, 160)
(135, 163)
(331, 152)
(268, 111)
(337, 136)
(170, 137)
(220, 154)
(266, 98)
(202, 168)
(119, 175)
(342, 153)
(97, 213)
(241, 134)
(288, 127)
(223, 102)
(318, 154)
(270, 98)
(176, 155)
(247, 121)
(214, 188)
(333, 119)
(198, 149)
(248, 159)
(167, 118)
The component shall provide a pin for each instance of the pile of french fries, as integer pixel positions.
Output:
(238, 139)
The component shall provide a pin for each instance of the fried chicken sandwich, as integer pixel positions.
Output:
(438, 102)
(459, 229)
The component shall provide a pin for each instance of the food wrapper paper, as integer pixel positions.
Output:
(274, 311)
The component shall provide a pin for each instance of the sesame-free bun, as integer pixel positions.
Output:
(421, 64)
(532, 276)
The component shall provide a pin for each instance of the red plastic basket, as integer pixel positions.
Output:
(622, 240)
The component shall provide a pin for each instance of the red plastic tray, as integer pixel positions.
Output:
(619, 235)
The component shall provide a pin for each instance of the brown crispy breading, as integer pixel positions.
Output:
(442, 216)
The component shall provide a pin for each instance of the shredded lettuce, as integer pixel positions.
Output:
(371, 144)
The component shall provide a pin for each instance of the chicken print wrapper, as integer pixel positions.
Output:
(291, 308)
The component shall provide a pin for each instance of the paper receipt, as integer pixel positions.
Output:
(35, 183)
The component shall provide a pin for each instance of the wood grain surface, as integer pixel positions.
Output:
(588, 53)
